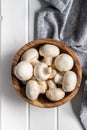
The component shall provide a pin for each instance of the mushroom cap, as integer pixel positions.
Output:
(55, 94)
(41, 71)
(30, 55)
(49, 50)
(23, 71)
(64, 62)
(69, 81)
(32, 89)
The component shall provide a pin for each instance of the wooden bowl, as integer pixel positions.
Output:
(42, 101)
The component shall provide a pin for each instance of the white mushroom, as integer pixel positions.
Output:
(55, 94)
(52, 72)
(41, 71)
(31, 55)
(32, 89)
(23, 71)
(49, 51)
(42, 86)
(69, 81)
(58, 79)
(64, 62)
(51, 84)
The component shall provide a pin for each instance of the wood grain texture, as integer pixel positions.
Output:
(39, 119)
(43, 118)
(67, 118)
(13, 35)
(42, 101)
(15, 114)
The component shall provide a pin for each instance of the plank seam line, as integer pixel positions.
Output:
(0, 64)
(27, 40)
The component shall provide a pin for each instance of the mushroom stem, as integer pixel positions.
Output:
(48, 60)
(51, 84)
(58, 79)
(42, 86)
(52, 72)
(34, 62)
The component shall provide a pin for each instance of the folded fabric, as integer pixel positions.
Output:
(66, 20)
(59, 4)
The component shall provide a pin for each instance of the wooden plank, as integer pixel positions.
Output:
(34, 6)
(40, 118)
(27, 40)
(67, 118)
(13, 36)
(43, 118)
(0, 64)
(18, 28)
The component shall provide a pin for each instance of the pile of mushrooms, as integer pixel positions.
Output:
(52, 75)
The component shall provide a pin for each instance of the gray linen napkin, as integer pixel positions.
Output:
(66, 20)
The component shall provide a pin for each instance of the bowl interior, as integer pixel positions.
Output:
(42, 101)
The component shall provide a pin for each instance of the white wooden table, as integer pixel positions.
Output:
(17, 28)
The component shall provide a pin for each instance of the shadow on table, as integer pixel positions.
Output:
(8, 91)
(76, 102)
